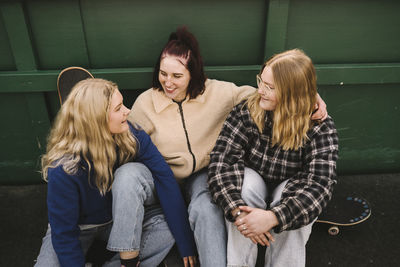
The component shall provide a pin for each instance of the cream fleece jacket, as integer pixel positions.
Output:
(186, 135)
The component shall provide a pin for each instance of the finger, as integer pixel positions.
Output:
(317, 114)
(185, 261)
(247, 233)
(253, 240)
(246, 208)
(242, 227)
(191, 260)
(243, 230)
(239, 222)
(325, 116)
(270, 237)
(259, 240)
(265, 240)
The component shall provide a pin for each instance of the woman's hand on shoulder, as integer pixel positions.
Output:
(189, 261)
(320, 113)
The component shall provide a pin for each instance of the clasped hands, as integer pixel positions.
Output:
(256, 224)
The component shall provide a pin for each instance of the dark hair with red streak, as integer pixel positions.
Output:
(183, 44)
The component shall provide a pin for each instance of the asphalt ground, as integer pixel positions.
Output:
(375, 242)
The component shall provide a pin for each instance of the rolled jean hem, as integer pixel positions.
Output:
(115, 249)
(235, 265)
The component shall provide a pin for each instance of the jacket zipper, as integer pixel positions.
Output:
(187, 136)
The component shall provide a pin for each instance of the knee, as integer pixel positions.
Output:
(277, 194)
(295, 238)
(131, 175)
(203, 207)
(254, 189)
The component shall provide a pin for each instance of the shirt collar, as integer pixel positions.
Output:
(161, 101)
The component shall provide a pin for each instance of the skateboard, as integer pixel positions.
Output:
(344, 211)
(67, 78)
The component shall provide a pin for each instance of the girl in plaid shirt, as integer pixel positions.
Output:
(272, 169)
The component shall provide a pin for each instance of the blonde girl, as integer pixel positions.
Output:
(272, 170)
(91, 149)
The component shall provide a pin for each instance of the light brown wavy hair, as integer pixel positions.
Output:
(81, 132)
(296, 94)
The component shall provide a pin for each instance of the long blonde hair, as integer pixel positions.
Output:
(296, 92)
(81, 132)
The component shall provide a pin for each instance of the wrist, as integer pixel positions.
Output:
(236, 213)
(274, 219)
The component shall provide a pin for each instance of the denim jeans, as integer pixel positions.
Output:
(48, 257)
(206, 220)
(138, 221)
(288, 250)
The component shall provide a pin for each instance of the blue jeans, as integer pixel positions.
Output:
(289, 247)
(206, 220)
(48, 257)
(138, 221)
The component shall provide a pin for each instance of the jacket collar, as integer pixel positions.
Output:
(161, 101)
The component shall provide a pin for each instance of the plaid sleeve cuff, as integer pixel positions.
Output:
(282, 213)
(229, 208)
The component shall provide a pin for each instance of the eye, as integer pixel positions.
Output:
(118, 108)
(177, 76)
(163, 73)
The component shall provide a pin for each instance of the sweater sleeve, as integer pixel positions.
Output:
(168, 192)
(139, 116)
(63, 212)
(226, 169)
(241, 93)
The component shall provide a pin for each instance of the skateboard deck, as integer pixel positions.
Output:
(67, 78)
(344, 211)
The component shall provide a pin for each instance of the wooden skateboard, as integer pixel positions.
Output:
(344, 211)
(67, 78)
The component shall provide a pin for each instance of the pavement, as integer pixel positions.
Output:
(375, 242)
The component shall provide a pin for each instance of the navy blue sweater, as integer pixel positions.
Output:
(72, 201)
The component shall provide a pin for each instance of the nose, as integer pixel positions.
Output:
(168, 82)
(127, 110)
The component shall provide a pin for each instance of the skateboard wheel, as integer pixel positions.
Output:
(334, 230)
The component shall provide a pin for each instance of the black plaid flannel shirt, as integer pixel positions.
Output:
(311, 170)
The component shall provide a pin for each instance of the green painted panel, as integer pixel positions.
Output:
(342, 31)
(229, 31)
(278, 12)
(57, 33)
(18, 34)
(355, 45)
(6, 57)
(20, 145)
(367, 118)
(140, 78)
(53, 104)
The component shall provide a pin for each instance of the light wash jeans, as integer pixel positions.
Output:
(48, 257)
(206, 220)
(138, 221)
(288, 250)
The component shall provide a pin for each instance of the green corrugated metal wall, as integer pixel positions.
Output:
(354, 44)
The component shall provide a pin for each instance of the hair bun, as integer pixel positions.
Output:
(186, 38)
(173, 36)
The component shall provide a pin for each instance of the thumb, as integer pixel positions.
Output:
(245, 208)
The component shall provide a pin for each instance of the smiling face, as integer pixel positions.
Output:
(174, 77)
(118, 114)
(267, 90)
